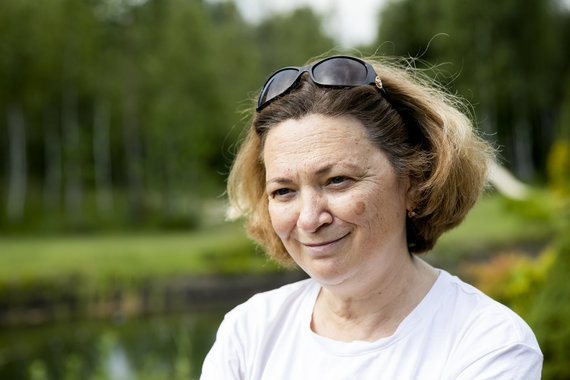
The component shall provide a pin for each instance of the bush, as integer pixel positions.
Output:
(558, 167)
(511, 278)
(550, 315)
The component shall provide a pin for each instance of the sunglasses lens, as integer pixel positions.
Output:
(340, 72)
(278, 84)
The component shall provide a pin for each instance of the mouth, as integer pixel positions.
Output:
(324, 246)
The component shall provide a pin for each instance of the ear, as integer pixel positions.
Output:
(411, 195)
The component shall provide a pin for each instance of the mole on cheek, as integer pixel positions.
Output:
(360, 208)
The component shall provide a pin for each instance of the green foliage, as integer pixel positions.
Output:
(512, 70)
(558, 166)
(550, 314)
(291, 40)
(511, 278)
(130, 108)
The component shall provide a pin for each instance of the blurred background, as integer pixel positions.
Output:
(119, 120)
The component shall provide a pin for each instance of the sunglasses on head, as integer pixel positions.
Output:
(337, 71)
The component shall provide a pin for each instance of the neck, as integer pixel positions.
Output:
(370, 310)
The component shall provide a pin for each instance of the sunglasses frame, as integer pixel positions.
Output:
(371, 78)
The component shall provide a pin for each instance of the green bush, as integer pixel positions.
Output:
(558, 167)
(511, 278)
(538, 206)
(550, 315)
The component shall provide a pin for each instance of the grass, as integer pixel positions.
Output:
(129, 256)
(494, 223)
(497, 224)
(491, 223)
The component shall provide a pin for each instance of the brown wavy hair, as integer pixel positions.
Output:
(424, 131)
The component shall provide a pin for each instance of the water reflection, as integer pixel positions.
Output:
(158, 347)
(118, 364)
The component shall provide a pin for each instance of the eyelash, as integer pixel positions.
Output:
(333, 182)
(336, 180)
(277, 192)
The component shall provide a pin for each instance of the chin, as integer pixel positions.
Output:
(326, 272)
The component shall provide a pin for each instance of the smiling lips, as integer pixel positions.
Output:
(320, 247)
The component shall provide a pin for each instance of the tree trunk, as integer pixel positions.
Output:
(131, 138)
(102, 159)
(52, 161)
(170, 178)
(18, 176)
(70, 125)
(522, 137)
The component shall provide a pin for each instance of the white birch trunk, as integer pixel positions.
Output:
(102, 159)
(17, 185)
(52, 162)
(132, 137)
(522, 137)
(73, 191)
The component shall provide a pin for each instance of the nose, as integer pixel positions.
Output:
(313, 211)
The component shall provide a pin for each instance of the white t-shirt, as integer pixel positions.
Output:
(455, 332)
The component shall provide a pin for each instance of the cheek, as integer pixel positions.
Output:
(370, 209)
(282, 219)
(352, 208)
(359, 208)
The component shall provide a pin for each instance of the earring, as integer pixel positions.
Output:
(411, 213)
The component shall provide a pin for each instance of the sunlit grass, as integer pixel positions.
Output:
(130, 256)
(494, 223)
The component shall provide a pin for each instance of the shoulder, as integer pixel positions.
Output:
(489, 335)
(273, 301)
(246, 328)
(480, 312)
(267, 308)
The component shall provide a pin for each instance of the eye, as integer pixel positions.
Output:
(337, 180)
(281, 192)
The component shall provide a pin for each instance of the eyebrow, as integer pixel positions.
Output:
(324, 170)
(279, 180)
(321, 171)
(286, 181)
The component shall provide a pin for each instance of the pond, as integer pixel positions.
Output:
(156, 347)
(169, 342)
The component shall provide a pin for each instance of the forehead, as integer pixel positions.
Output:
(317, 140)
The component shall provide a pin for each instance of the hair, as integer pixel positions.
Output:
(423, 130)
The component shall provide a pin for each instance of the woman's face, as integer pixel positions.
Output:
(334, 199)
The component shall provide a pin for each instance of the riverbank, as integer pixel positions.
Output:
(45, 278)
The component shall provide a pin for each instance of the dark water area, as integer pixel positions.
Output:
(171, 344)
(156, 347)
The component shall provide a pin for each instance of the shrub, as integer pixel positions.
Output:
(550, 315)
(511, 278)
(558, 167)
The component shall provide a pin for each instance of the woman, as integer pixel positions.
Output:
(348, 171)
